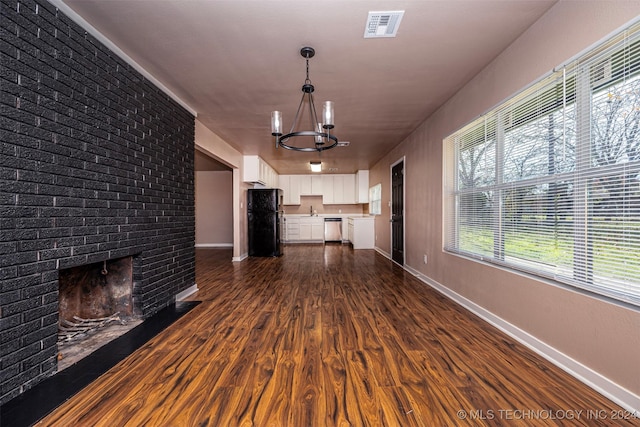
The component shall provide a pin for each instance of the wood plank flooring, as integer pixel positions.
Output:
(328, 336)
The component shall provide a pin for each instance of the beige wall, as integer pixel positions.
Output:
(603, 336)
(214, 208)
(214, 146)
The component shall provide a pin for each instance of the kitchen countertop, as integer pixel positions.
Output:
(334, 215)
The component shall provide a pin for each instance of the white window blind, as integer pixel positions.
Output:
(375, 200)
(549, 182)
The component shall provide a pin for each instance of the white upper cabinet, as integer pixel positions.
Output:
(327, 189)
(349, 189)
(362, 186)
(256, 170)
(316, 185)
(338, 189)
(310, 185)
(290, 185)
(335, 189)
(305, 184)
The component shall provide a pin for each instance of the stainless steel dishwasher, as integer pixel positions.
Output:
(333, 230)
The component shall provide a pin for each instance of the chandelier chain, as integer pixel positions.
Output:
(295, 119)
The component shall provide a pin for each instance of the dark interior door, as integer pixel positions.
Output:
(397, 213)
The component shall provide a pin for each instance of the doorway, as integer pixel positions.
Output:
(214, 205)
(397, 212)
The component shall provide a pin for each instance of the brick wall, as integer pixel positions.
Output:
(95, 163)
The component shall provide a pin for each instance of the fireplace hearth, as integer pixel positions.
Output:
(70, 351)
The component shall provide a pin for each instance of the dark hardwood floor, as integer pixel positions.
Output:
(328, 336)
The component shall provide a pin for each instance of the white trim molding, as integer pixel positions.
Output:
(383, 253)
(214, 245)
(189, 291)
(240, 258)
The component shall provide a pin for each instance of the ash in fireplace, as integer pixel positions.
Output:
(81, 337)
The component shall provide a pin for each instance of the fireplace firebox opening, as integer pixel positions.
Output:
(95, 306)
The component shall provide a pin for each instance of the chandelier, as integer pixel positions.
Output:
(321, 133)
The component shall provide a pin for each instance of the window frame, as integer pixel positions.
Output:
(375, 199)
(578, 92)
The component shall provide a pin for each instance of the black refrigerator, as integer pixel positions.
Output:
(265, 219)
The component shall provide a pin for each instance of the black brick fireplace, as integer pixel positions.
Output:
(96, 164)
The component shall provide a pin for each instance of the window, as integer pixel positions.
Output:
(549, 182)
(375, 200)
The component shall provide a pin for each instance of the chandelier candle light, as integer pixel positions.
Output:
(321, 133)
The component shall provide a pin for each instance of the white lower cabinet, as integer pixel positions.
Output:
(317, 231)
(292, 229)
(350, 231)
(362, 232)
(305, 229)
(345, 229)
(310, 229)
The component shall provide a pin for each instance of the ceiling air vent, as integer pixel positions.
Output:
(383, 24)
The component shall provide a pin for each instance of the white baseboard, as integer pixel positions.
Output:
(383, 253)
(214, 245)
(222, 245)
(603, 385)
(240, 258)
(189, 291)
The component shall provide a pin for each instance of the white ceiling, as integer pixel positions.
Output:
(234, 61)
